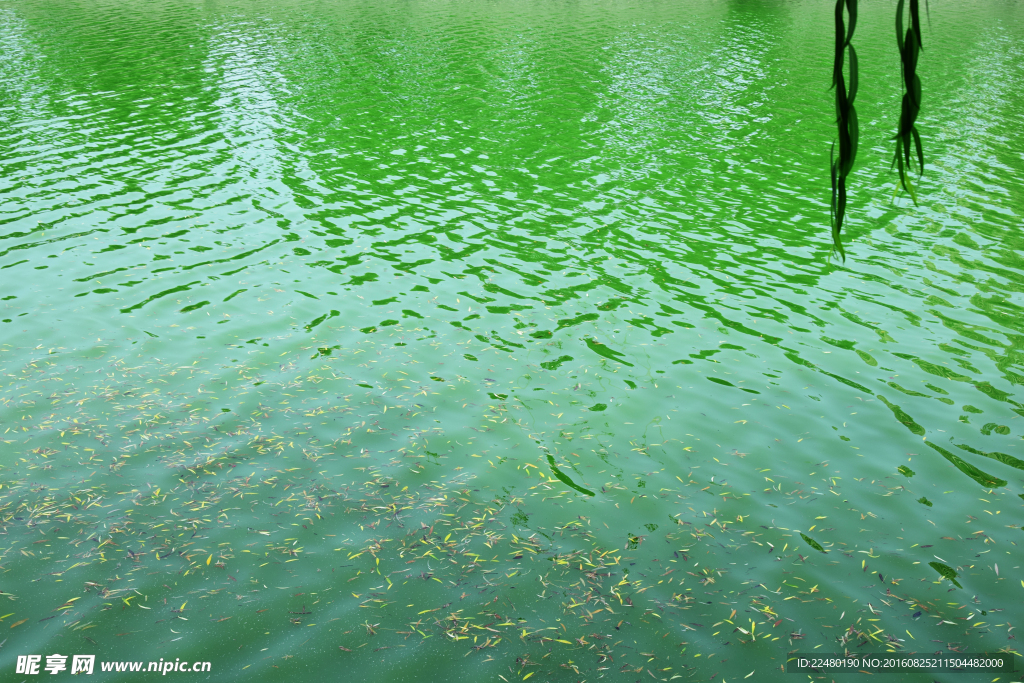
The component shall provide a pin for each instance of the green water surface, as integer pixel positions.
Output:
(415, 340)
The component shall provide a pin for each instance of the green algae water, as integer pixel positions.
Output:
(496, 340)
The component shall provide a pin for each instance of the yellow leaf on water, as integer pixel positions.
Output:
(18, 623)
(528, 675)
(208, 560)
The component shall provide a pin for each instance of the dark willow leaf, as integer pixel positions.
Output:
(915, 22)
(837, 68)
(904, 134)
(853, 75)
(902, 170)
(854, 134)
(841, 104)
(851, 9)
(899, 26)
(835, 185)
(920, 150)
(911, 50)
(837, 226)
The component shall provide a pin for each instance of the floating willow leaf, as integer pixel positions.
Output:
(846, 119)
(564, 479)
(811, 542)
(946, 572)
(910, 45)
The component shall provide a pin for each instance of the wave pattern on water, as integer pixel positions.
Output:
(383, 292)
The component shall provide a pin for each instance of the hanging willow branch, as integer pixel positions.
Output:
(846, 118)
(909, 46)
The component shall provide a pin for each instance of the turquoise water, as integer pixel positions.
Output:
(500, 339)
